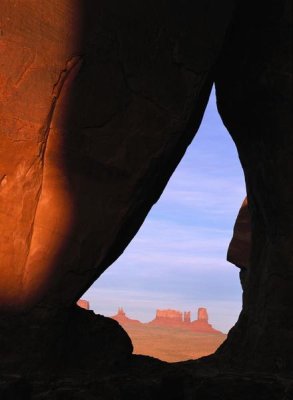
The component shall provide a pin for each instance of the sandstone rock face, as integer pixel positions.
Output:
(99, 101)
(39, 47)
(168, 317)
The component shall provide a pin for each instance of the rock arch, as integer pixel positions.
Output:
(100, 100)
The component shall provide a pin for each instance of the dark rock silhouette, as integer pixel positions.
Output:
(239, 250)
(254, 97)
(99, 102)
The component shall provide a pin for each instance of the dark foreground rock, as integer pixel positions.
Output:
(56, 341)
(148, 379)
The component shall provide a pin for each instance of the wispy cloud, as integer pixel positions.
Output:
(171, 245)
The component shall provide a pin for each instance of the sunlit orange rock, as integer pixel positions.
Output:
(83, 304)
(39, 47)
(167, 318)
(202, 314)
(89, 134)
(186, 316)
(174, 318)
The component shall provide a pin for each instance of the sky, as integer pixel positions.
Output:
(177, 259)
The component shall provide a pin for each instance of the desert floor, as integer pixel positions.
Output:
(172, 344)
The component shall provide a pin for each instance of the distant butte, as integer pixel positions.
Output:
(173, 319)
(201, 324)
(123, 319)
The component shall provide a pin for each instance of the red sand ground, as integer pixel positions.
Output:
(171, 336)
(172, 344)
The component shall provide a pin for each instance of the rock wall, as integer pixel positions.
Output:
(51, 343)
(99, 103)
(254, 97)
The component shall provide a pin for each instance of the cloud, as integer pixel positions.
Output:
(194, 192)
(171, 245)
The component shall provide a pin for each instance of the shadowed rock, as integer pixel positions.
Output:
(239, 250)
(240, 245)
(254, 98)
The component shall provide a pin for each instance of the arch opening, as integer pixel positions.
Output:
(177, 261)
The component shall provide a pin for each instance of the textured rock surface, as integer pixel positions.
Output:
(99, 101)
(39, 47)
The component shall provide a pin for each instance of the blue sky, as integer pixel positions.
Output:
(178, 258)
